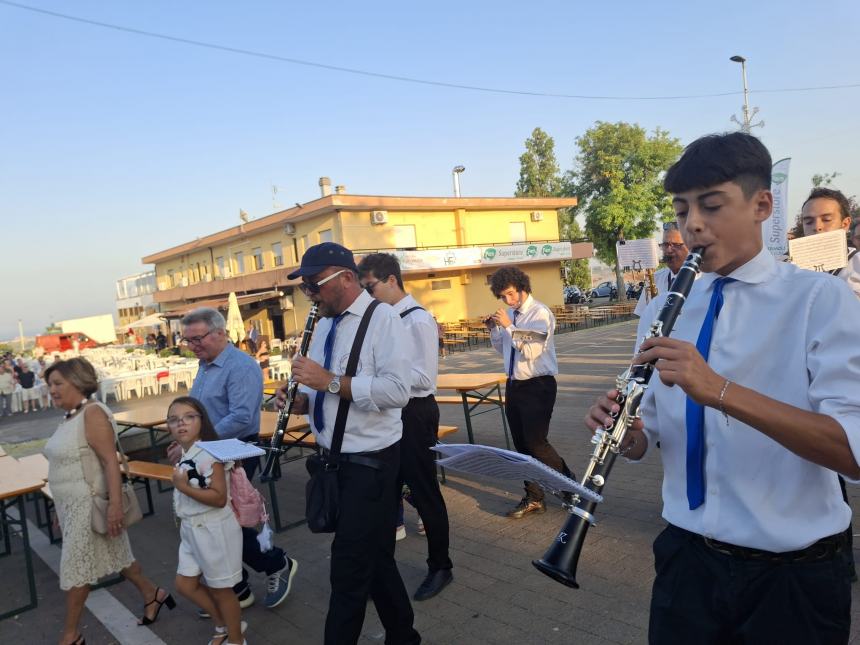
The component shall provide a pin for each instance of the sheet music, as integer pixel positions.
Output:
(822, 252)
(231, 449)
(507, 464)
(529, 335)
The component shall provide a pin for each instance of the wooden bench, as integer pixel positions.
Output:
(37, 466)
(451, 399)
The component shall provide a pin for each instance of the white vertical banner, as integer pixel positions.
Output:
(774, 230)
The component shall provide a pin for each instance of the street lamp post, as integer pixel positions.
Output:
(456, 174)
(748, 115)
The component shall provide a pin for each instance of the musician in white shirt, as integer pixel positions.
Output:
(362, 553)
(380, 275)
(531, 366)
(757, 553)
(674, 253)
(828, 210)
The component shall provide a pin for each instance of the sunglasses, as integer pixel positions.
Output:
(309, 288)
(371, 286)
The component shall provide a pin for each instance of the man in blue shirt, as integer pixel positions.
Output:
(229, 384)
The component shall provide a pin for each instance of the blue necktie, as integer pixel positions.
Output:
(696, 412)
(513, 350)
(319, 420)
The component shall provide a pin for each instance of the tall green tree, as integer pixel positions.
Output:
(617, 178)
(540, 175)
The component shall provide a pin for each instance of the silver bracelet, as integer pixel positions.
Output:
(722, 396)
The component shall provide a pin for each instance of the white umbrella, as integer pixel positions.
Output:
(152, 320)
(235, 325)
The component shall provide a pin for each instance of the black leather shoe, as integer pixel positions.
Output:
(435, 582)
(527, 505)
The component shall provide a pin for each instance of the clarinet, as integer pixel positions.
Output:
(560, 560)
(271, 470)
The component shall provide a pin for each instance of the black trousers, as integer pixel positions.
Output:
(362, 555)
(268, 562)
(418, 469)
(706, 597)
(528, 407)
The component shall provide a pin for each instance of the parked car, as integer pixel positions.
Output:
(604, 290)
(573, 295)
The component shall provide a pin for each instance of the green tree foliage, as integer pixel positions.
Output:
(539, 172)
(540, 176)
(578, 272)
(618, 180)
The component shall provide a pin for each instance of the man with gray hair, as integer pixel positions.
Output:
(229, 384)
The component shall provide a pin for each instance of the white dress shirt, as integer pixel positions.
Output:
(421, 349)
(791, 335)
(533, 358)
(662, 280)
(380, 387)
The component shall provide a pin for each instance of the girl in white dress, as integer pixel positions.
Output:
(210, 553)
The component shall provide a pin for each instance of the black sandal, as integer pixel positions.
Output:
(146, 620)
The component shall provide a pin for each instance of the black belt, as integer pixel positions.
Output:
(825, 549)
(359, 458)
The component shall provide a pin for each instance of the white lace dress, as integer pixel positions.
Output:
(86, 556)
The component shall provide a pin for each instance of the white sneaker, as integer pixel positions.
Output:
(400, 533)
(421, 530)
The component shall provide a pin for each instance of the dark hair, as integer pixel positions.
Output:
(207, 430)
(830, 193)
(717, 158)
(509, 277)
(381, 265)
(77, 371)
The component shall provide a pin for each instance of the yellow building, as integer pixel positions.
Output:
(448, 247)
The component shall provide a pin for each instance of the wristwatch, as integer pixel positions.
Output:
(334, 386)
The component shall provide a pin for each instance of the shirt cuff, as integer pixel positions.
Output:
(361, 393)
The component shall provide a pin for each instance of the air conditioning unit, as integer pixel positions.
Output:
(537, 216)
(379, 217)
(290, 228)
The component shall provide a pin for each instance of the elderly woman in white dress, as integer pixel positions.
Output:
(89, 431)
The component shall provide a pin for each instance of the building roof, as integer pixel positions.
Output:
(360, 203)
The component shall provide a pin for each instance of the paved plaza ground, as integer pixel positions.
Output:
(496, 597)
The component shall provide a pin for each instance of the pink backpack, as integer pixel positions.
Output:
(248, 504)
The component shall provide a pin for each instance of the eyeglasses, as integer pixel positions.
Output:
(370, 287)
(195, 340)
(310, 287)
(675, 246)
(185, 419)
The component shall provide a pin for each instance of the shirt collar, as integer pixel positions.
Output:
(406, 302)
(223, 356)
(759, 269)
(360, 304)
(527, 304)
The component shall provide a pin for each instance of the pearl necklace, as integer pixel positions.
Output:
(76, 408)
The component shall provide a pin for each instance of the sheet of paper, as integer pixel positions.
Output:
(506, 464)
(822, 252)
(638, 255)
(231, 449)
(528, 335)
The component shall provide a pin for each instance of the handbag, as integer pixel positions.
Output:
(95, 478)
(322, 494)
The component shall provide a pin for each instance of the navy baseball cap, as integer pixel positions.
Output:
(320, 256)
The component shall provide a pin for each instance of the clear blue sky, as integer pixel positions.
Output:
(116, 145)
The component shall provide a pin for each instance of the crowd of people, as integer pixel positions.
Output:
(26, 376)
(753, 430)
